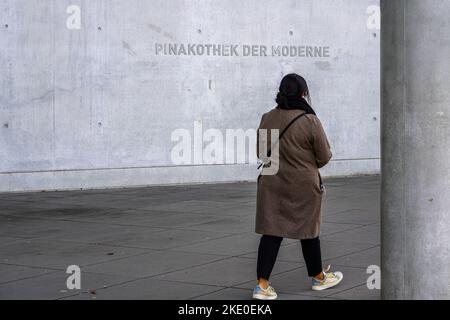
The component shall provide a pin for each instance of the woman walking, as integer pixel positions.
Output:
(289, 201)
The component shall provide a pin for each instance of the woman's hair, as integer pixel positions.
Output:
(292, 85)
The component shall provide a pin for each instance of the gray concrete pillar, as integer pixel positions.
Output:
(415, 201)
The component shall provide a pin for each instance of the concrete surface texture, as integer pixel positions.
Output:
(90, 99)
(415, 149)
(178, 242)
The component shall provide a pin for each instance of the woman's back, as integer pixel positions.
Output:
(304, 146)
(289, 201)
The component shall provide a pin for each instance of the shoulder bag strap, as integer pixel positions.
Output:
(269, 152)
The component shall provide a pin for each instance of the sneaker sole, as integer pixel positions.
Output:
(263, 297)
(331, 285)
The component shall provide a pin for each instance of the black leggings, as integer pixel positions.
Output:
(268, 251)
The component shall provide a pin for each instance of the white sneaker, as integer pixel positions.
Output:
(264, 294)
(330, 280)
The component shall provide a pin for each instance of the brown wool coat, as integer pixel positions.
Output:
(289, 203)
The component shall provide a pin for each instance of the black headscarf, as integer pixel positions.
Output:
(292, 88)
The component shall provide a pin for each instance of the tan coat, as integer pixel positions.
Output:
(289, 203)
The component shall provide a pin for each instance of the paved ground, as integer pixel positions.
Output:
(177, 242)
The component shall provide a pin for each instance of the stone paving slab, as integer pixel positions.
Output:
(58, 254)
(364, 217)
(152, 264)
(148, 289)
(361, 259)
(11, 272)
(233, 245)
(228, 272)
(367, 234)
(53, 286)
(176, 242)
(357, 293)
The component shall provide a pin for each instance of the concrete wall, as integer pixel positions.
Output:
(96, 106)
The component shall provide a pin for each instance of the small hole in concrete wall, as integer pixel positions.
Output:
(375, 118)
(374, 35)
(6, 26)
(291, 32)
(99, 124)
(6, 125)
(99, 28)
(199, 31)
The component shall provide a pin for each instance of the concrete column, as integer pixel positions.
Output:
(415, 201)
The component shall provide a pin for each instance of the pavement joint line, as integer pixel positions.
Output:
(186, 268)
(342, 213)
(345, 223)
(181, 228)
(221, 206)
(151, 251)
(86, 222)
(301, 264)
(204, 264)
(274, 274)
(85, 265)
(102, 244)
(118, 259)
(175, 249)
(85, 243)
(51, 271)
(196, 266)
(332, 298)
(152, 277)
(14, 237)
(346, 230)
(122, 224)
(193, 283)
(374, 223)
(324, 214)
(179, 249)
(97, 244)
(342, 231)
(350, 210)
(26, 278)
(130, 247)
(341, 291)
(373, 243)
(127, 282)
(30, 266)
(354, 252)
(203, 253)
(118, 224)
(351, 267)
(215, 220)
(205, 294)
